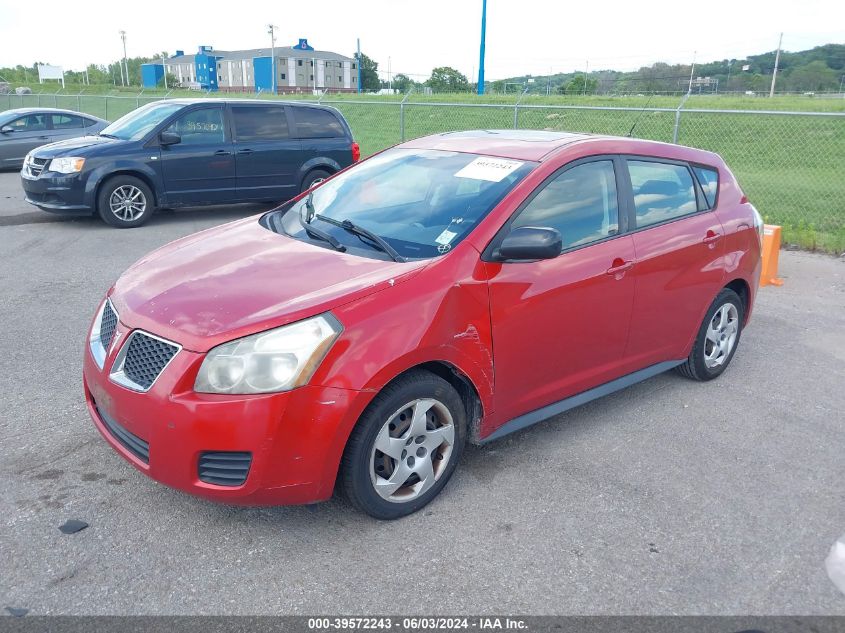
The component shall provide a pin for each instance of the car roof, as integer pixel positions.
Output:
(266, 102)
(537, 145)
(16, 111)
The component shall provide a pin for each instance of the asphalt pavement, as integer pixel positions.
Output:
(670, 497)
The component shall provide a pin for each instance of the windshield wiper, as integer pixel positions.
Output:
(108, 135)
(360, 231)
(320, 235)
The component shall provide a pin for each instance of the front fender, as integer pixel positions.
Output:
(125, 166)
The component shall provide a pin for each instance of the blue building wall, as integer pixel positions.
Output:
(205, 65)
(262, 73)
(151, 75)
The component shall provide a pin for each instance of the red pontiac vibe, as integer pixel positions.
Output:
(454, 288)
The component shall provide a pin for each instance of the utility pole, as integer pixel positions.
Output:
(164, 66)
(481, 52)
(692, 70)
(775, 72)
(271, 30)
(125, 63)
(360, 66)
(586, 72)
(728, 84)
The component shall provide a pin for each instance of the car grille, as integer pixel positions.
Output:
(146, 357)
(131, 442)
(224, 469)
(108, 323)
(36, 166)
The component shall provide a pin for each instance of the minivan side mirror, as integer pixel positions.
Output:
(7, 129)
(531, 242)
(169, 138)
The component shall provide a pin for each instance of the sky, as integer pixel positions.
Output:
(523, 37)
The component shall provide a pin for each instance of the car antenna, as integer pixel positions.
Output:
(639, 116)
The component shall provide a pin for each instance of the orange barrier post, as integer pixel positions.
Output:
(771, 250)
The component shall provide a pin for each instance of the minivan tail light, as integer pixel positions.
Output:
(356, 152)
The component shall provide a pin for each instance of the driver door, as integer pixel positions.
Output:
(200, 168)
(560, 326)
(27, 133)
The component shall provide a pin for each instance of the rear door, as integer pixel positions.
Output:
(323, 136)
(200, 169)
(68, 125)
(267, 157)
(27, 132)
(560, 326)
(680, 248)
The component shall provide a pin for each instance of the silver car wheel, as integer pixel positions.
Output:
(721, 335)
(412, 450)
(127, 202)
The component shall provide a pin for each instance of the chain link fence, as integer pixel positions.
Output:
(790, 164)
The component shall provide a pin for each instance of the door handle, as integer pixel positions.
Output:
(222, 152)
(244, 151)
(619, 266)
(43, 138)
(711, 237)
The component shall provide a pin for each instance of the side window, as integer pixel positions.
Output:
(709, 180)
(30, 123)
(581, 203)
(67, 122)
(200, 127)
(259, 123)
(314, 123)
(661, 191)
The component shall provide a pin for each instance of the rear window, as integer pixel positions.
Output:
(68, 121)
(314, 123)
(260, 123)
(708, 178)
(662, 191)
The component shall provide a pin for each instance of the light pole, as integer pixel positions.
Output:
(271, 30)
(164, 66)
(481, 51)
(125, 64)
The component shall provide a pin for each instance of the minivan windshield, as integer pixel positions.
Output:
(421, 202)
(138, 123)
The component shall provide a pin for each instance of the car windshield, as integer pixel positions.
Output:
(138, 123)
(421, 202)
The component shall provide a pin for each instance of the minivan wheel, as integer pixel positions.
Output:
(405, 446)
(717, 339)
(314, 178)
(125, 202)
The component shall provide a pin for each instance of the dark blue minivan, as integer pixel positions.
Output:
(190, 152)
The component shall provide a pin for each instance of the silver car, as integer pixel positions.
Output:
(25, 129)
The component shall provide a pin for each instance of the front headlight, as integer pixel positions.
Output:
(67, 165)
(276, 360)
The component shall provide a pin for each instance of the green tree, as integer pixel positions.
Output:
(402, 82)
(815, 76)
(446, 79)
(579, 84)
(368, 69)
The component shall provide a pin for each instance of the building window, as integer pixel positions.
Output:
(353, 66)
(299, 62)
(284, 76)
(339, 78)
(311, 78)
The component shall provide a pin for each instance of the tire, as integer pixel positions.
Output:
(417, 462)
(717, 338)
(313, 177)
(123, 188)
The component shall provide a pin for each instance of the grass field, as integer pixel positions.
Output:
(791, 166)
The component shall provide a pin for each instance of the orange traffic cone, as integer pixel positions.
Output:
(771, 250)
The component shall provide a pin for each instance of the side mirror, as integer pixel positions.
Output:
(531, 242)
(169, 138)
(7, 129)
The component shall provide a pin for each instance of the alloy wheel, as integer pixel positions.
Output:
(127, 202)
(721, 335)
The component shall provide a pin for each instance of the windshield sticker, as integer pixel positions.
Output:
(490, 169)
(445, 237)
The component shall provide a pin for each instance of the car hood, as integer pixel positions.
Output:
(240, 278)
(80, 146)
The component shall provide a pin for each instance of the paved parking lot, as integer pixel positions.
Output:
(668, 498)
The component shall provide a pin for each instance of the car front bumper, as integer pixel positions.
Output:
(295, 439)
(57, 193)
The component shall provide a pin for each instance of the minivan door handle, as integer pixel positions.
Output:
(619, 266)
(244, 151)
(711, 237)
(222, 152)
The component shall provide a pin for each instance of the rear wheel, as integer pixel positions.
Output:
(405, 447)
(314, 177)
(717, 339)
(125, 202)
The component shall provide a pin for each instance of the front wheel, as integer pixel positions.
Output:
(125, 202)
(405, 447)
(717, 339)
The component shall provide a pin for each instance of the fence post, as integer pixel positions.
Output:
(106, 107)
(402, 115)
(678, 117)
(516, 109)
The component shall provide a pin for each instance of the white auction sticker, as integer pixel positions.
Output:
(445, 237)
(487, 168)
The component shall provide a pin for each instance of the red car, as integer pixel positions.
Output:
(454, 288)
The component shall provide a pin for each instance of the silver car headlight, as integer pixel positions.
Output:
(277, 360)
(67, 165)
